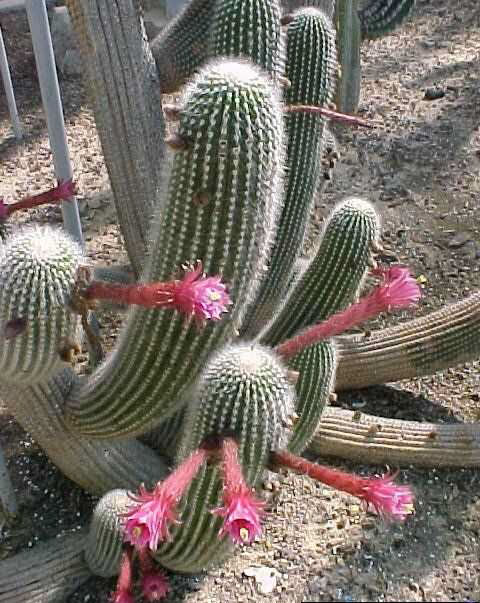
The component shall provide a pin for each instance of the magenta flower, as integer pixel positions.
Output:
(205, 298)
(398, 290)
(241, 510)
(63, 191)
(123, 592)
(155, 586)
(388, 499)
(147, 523)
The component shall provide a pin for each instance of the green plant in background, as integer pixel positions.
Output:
(231, 351)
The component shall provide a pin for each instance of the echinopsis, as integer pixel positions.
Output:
(229, 356)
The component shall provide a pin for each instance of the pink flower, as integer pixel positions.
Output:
(388, 499)
(242, 511)
(242, 514)
(398, 290)
(155, 586)
(205, 298)
(147, 523)
(122, 597)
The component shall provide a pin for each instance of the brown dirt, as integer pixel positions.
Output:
(421, 169)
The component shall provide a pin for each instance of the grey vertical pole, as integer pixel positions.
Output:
(7, 83)
(52, 104)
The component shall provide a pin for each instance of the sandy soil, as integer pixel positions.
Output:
(421, 168)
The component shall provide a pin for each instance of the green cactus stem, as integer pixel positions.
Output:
(311, 69)
(380, 17)
(334, 277)
(244, 392)
(316, 367)
(221, 207)
(249, 29)
(182, 47)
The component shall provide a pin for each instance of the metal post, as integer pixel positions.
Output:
(7, 83)
(52, 104)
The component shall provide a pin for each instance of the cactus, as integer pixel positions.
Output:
(311, 69)
(380, 17)
(221, 409)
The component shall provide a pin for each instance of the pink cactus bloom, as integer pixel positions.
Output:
(122, 597)
(388, 499)
(147, 523)
(398, 290)
(206, 298)
(241, 510)
(155, 586)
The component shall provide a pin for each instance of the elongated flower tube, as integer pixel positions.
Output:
(63, 191)
(389, 500)
(123, 592)
(147, 523)
(205, 298)
(398, 290)
(242, 510)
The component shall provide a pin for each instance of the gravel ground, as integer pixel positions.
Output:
(421, 169)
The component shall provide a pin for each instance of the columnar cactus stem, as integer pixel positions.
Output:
(349, 40)
(311, 68)
(379, 17)
(182, 47)
(221, 207)
(334, 276)
(250, 29)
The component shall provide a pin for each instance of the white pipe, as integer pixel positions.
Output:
(7, 83)
(52, 104)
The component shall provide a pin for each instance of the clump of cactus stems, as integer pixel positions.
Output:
(229, 353)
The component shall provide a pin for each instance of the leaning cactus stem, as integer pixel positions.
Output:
(389, 500)
(62, 192)
(195, 295)
(350, 120)
(148, 521)
(242, 511)
(398, 290)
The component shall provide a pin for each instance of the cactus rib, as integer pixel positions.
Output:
(379, 17)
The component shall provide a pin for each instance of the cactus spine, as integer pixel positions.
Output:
(219, 204)
(311, 69)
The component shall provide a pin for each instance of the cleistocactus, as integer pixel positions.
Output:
(233, 200)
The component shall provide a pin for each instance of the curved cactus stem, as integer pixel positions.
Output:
(48, 573)
(233, 122)
(125, 92)
(418, 347)
(368, 439)
(96, 465)
(182, 47)
(8, 499)
(348, 41)
(380, 17)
